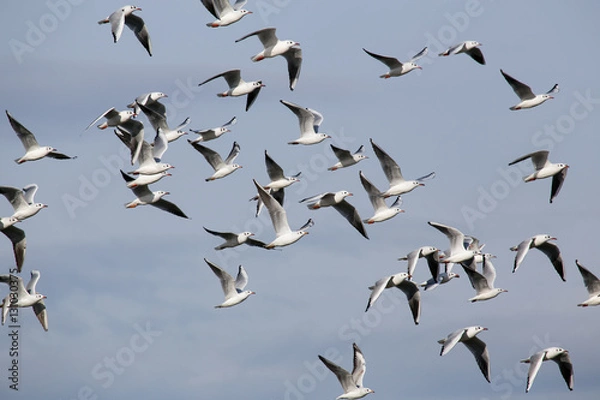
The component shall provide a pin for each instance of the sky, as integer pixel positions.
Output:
(129, 297)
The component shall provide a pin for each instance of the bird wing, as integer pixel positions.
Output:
(317, 119)
(566, 368)
(276, 211)
(211, 156)
(27, 138)
(235, 151)
(232, 121)
(554, 89)
(521, 250)
(392, 63)
(136, 131)
(419, 55)
(255, 243)
(349, 212)
(412, 259)
(210, 6)
(433, 262)
(477, 55)
(29, 192)
(377, 289)
(39, 309)
(227, 282)
(341, 154)
(161, 144)
(455, 236)
(591, 282)
(538, 158)
(156, 114)
(242, 279)
(15, 196)
(346, 380)
(535, 362)
(251, 97)
(306, 119)
(478, 281)
(430, 175)
(117, 22)
(111, 112)
(377, 201)
(413, 295)
(224, 235)
(294, 62)
(479, 350)
(19, 242)
(489, 272)
(60, 156)
(553, 253)
(35, 277)
(169, 207)
(360, 366)
(10, 278)
(522, 90)
(390, 167)
(557, 182)
(449, 342)
(274, 171)
(139, 28)
(233, 78)
(266, 36)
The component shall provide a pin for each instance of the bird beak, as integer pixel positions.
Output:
(485, 329)
(139, 9)
(457, 276)
(551, 97)
(553, 238)
(250, 12)
(45, 206)
(419, 67)
(263, 85)
(169, 175)
(421, 184)
(327, 136)
(44, 297)
(166, 193)
(252, 292)
(350, 194)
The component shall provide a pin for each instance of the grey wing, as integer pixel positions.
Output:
(590, 280)
(349, 212)
(274, 171)
(294, 63)
(535, 362)
(554, 89)
(15, 196)
(305, 117)
(138, 26)
(232, 121)
(413, 295)
(136, 132)
(117, 22)
(478, 281)
(26, 137)
(522, 250)
(449, 342)
(39, 309)
(431, 175)
(317, 118)
(341, 154)
(225, 235)
(211, 8)
(10, 278)
(557, 182)
(233, 78)
(551, 250)
(29, 192)
(308, 224)
(242, 279)
(235, 151)
(227, 282)
(255, 243)
(266, 36)
(314, 198)
(35, 277)
(161, 144)
(522, 90)
(455, 236)
(390, 62)
(538, 158)
(566, 368)
(489, 272)
(156, 114)
(167, 206)
(376, 290)
(433, 262)
(239, 4)
(19, 243)
(211, 156)
(360, 366)
(479, 350)
(278, 195)
(60, 156)
(185, 123)
(251, 97)
(377, 201)
(276, 211)
(390, 167)
(111, 112)
(419, 55)
(346, 380)
(477, 55)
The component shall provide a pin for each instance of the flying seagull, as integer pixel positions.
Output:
(22, 201)
(396, 67)
(221, 168)
(346, 158)
(556, 354)
(470, 48)
(468, 337)
(352, 383)
(545, 169)
(408, 287)
(26, 297)
(338, 201)
(309, 121)
(528, 98)
(237, 86)
(592, 284)
(540, 242)
(124, 16)
(233, 289)
(224, 12)
(235, 239)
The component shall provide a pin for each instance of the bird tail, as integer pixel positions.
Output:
(514, 248)
(513, 108)
(442, 341)
(526, 361)
(104, 21)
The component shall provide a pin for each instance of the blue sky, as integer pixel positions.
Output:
(129, 287)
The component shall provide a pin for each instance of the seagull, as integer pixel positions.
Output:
(233, 289)
(338, 201)
(556, 354)
(431, 255)
(149, 100)
(224, 12)
(528, 98)
(592, 284)
(147, 161)
(33, 151)
(222, 168)
(145, 196)
(22, 201)
(210, 134)
(147, 179)
(468, 336)
(124, 16)
(278, 182)
(235, 239)
(470, 48)
(396, 67)
(309, 121)
(16, 237)
(442, 277)
(237, 86)
(545, 169)
(540, 242)
(352, 383)
(402, 282)
(346, 158)
(398, 185)
(274, 47)
(284, 235)
(458, 253)
(483, 283)
(156, 114)
(113, 118)
(25, 297)
(382, 211)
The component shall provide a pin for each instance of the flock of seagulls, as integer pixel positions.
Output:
(463, 249)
